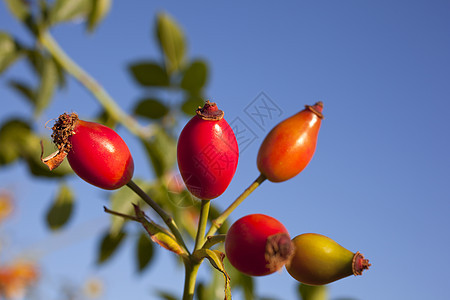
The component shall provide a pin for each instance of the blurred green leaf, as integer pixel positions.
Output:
(60, 211)
(121, 201)
(144, 252)
(161, 149)
(241, 281)
(35, 59)
(20, 9)
(214, 213)
(13, 137)
(213, 290)
(172, 42)
(149, 73)
(24, 89)
(190, 105)
(31, 153)
(18, 141)
(9, 51)
(195, 76)
(216, 257)
(105, 118)
(109, 245)
(49, 79)
(151, 108)
(68, 10)
(166, 296)
(309, 292)
(100, 9)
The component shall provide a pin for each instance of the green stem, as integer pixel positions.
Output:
(191, 270)
(214, 239)
(161, 212)
(89, 83)
(221, 219)
(202, 222)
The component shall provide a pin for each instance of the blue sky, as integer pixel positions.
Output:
(378, 182)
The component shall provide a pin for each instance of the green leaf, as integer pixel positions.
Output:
(20, 9)
(100, 9)
(9, 51)
(166, 296)
(13, 136)
(214, 213)
(31, 153)
(151, 108)
(241, 281)
(309, 292)
(144, 252)
(172, 42)
(60, 211)
(23, 89)
(190, 105)
(149, 73)
(216, 257)
(195, 76)
(121, 201)
(18, 141)
(68, 10)
(161, 149)
(105, 118)
(49, 79)
(109, 245)
(158, 234)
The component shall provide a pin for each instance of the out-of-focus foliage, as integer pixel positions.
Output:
(172, 85)
(61, 209)
(309, 292)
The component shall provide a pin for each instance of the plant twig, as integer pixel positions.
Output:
(214, 239)
(89, 83)
(202, 222)
(161, 212)
(216, 223)
(115, 213)
(191, 270)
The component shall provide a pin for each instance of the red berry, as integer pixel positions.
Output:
(95, 152)
(290, 145)
(207, 153)
(258, 245)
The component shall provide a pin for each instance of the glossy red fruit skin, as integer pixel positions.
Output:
(246, 240)
(100, 156)
(207, 154)
(290, 145)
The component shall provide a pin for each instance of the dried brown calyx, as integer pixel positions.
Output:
(279, 250)
(62, 130)
(210, 112)
(359, 264)
(316, 108)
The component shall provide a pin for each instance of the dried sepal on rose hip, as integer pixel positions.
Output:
(95, 152)
(258, 245)
(207, 153)
(319, 260)
(289, 146)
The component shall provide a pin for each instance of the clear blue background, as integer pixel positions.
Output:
(379, 181)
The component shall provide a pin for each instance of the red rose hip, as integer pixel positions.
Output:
(207, 153)
(258, 245)
(95, 152)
